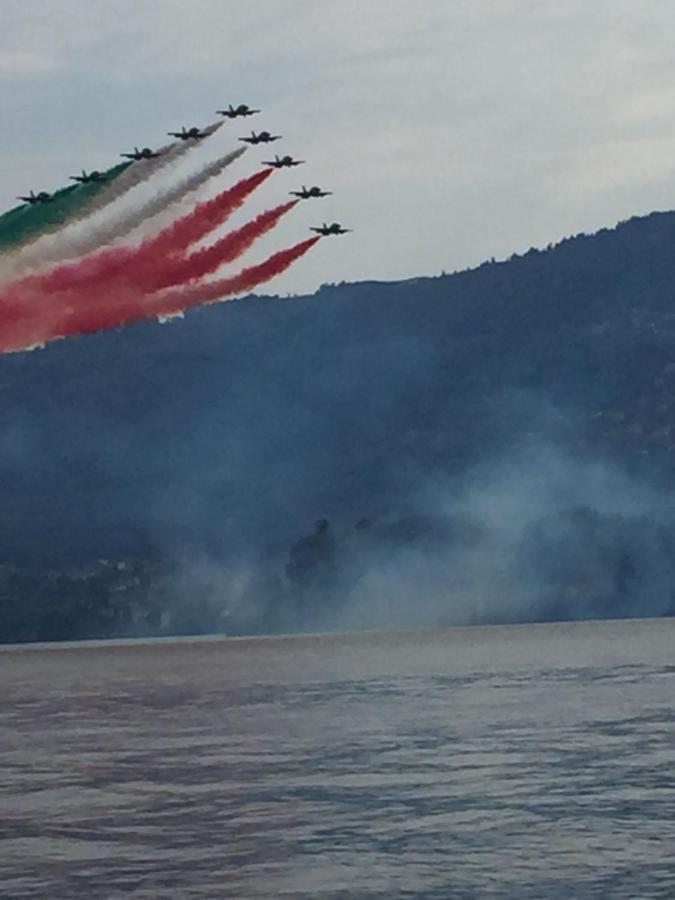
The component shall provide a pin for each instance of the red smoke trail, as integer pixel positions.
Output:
(31, 318)
(228, 248)
(178, 300)
(131, 263)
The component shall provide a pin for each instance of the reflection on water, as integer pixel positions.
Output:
(523, 762)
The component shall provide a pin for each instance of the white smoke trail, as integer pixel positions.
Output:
(123, 226)
(142, 170)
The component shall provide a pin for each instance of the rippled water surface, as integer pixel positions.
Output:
(520, 762)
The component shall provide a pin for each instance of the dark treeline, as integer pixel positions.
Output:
(196, 454)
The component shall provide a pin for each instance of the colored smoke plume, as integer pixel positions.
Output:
(47, 249)
(27, 321)
(227, 249)
(113, 231)
(128, 308)
(27, 222)
(131, 265)
(143, 169)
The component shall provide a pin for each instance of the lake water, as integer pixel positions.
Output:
(517, 762)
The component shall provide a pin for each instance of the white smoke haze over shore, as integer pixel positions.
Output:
(492, 578)
(535, 532)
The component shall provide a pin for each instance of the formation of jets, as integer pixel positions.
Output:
(263, 137)
(88, 177)
(33, 198)
(234, 112)
(193, 133)
(283, 162)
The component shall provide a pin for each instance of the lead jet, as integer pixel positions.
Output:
(284, 162)
(234, 112)
(33, 198)
(188, 134)
(308, 193)
(88, 178)
(263, 137)
(145, 153)
(327, 230)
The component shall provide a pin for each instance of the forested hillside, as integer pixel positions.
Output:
(516, 420)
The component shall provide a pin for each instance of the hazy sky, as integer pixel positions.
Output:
(450, 130)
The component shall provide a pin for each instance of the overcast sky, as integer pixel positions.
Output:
(450, 130)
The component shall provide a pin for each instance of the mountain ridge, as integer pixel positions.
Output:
(225, 435)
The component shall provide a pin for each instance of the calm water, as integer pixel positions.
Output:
(523, 762)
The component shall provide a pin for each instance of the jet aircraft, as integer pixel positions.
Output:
(145, 153)
(234, 112)
(263, 137)
(87, 178)
(33, 198)
(308, 193)
(187, 134)
(327, 230)
(284, 162)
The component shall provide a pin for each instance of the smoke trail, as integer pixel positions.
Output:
(49, 248)
(27, 222)
(104, 234)
(83, 318)
(94, 187)
(178, 300)
(34, 318)
(228, 248)
(145, 168)
(159, 204)
(7, 217)
(130, 265)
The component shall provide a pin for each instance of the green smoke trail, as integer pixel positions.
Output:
(26, 222)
